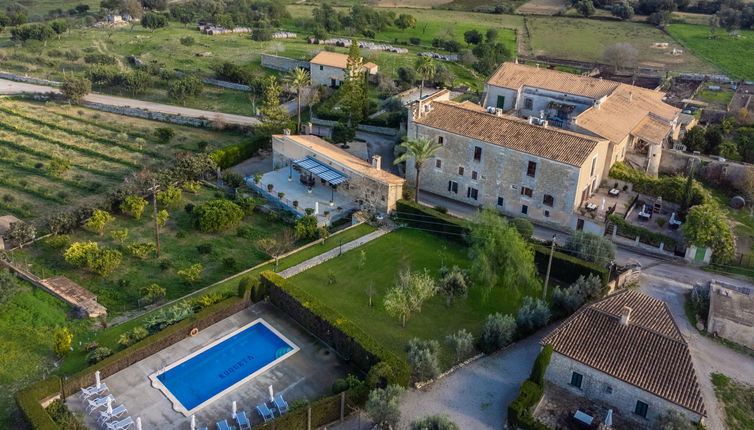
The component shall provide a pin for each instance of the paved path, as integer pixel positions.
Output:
(12, 87)
(329, 255)
(476, 396)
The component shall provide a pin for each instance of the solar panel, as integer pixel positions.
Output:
(321, 170)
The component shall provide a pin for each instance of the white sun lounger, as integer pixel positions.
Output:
(265, 412)
(120, 425)
(93, 390)
(93, 405)
(280, 404)
(117, 413)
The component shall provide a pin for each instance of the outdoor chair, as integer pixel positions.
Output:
(120, 425)
(243, 421)
(223, 425)
(93, 390)
(93, 405)
(265, 412)
(116, 413)
(280, 404)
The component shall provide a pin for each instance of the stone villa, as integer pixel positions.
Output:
(329, 68)
(626, 352)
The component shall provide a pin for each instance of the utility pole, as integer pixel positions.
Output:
(549, 264)
(154, 214)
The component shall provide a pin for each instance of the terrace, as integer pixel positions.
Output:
(607, 201)
(305, 375)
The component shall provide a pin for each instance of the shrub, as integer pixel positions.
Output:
(98, 221)
(498, 332)
(204, 248)
(58, 242)
(231, 155)
(165, 317)
(645, 236)
(251, 286)
(383, 406)
(119, 236)
(164, 134)
(462, 343)
(89, 255)
(229, 263)
(453, 283)
(248, 204)
(540, 365)
(415, 40)
(152, 293)
(191, 187)
(434, 422)
(306, 227)
(98, 354)
(670, 188)
(63, 338)
(423, 358)
(132, 336)
(532, 315)
(191, 274)
(170, 197)
(187, 41)
(58, 411)
(217, 215)
(142, 250)
(134, 206)
(208, 300)
(232, 179)
(524, 226)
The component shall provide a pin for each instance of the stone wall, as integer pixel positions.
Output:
(723, 172)
(155, 116)
(361, 127)
(28, 79)
(621, 395)
(226, 84)
(282, 64)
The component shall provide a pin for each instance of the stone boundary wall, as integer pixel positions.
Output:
(362, 127)
(226, 84)
(28, 79)
(282, 64)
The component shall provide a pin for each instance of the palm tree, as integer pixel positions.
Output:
(299, 79)
(420, 150)
(425, 66)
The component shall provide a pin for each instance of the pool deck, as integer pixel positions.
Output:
(306, 375)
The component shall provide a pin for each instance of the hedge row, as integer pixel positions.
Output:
(103, 126)
(334, 329)
(531, 391)
(645, 236)
(30, 397)
(84, 134)
(234, 154)
(324, 411)
(28, 190)
(670, 188)
(46, 156)
(41, 173)
(86, 151)
(565, 268)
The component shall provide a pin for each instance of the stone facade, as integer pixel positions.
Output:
(282, 64)
(730, 315)
(361, 185)
(500, 178)
(622, 396)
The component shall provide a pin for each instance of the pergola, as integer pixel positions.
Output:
(321, 170)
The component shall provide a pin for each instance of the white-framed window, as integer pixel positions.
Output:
(474, 175)
(527, 192)
(438, 163)
(441, 140)
(461, 170)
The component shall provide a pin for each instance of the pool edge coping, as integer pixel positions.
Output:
(178, 406)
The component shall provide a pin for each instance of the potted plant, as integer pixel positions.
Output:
(309, 190)
(295, 204)
(257, 178)
(270, 187)
(281, 195)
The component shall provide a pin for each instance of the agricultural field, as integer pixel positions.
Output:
(56, 156)
(733, 55)
(585, 40)
(385, 257)
(737, 399)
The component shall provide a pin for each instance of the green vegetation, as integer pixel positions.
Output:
(418, 250)
(738, 401)
(531, 391)
(732, 54)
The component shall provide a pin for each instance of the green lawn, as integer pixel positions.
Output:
(385, 258)
(738, 401)
(733, 55)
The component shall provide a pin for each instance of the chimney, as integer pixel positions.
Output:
(630, 95)
(376, 162)
(625, 315)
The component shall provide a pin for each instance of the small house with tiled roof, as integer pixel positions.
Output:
(636, 121)
(329, 68)
(496, 160)
(626, 351)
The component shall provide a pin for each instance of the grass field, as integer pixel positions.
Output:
(731, 54)
(386, 256)
(737, 400)
(101, 149)
(586, 40)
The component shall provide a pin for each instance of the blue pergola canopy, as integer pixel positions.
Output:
(321, 170)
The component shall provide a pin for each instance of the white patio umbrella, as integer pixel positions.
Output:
(234, 409)
(109, 405)
(193, 422)
(138, 423)
(609, 418)
(603, 204)
(96, 378)
(272, 395)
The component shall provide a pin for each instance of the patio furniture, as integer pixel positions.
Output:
(223, 425)
(645, 215)
(265, 412)
(280, 404)
(93, 405)
(591, 207)
(116, 413)
(93, 390)
(120, 425)
(243, 421)
(614, 192)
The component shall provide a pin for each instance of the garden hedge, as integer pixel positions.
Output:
(340, 333)
(565, 268)
(670, 188)
(645, 236)
(540, 365)
(30, 397)
(530, 393)
(324, 411)
(231, 155)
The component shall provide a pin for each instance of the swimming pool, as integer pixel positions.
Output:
(205, 375)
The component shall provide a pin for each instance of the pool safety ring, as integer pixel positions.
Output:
(194, 332)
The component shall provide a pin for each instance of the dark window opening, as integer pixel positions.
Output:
(548, 200)
(453, 187)
(528, 103)
(576, 379)
(438, 164)
(460, 170)
(477, 153)
(528, 192)
(472, 193)
(500, 201)
(641, 409)
(474, 175)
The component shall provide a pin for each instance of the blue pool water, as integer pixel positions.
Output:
(212, 371)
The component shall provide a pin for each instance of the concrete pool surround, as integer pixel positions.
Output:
(239, 363)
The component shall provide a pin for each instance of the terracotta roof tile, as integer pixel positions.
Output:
(649, 352)
(515, 133)
(515, 76)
